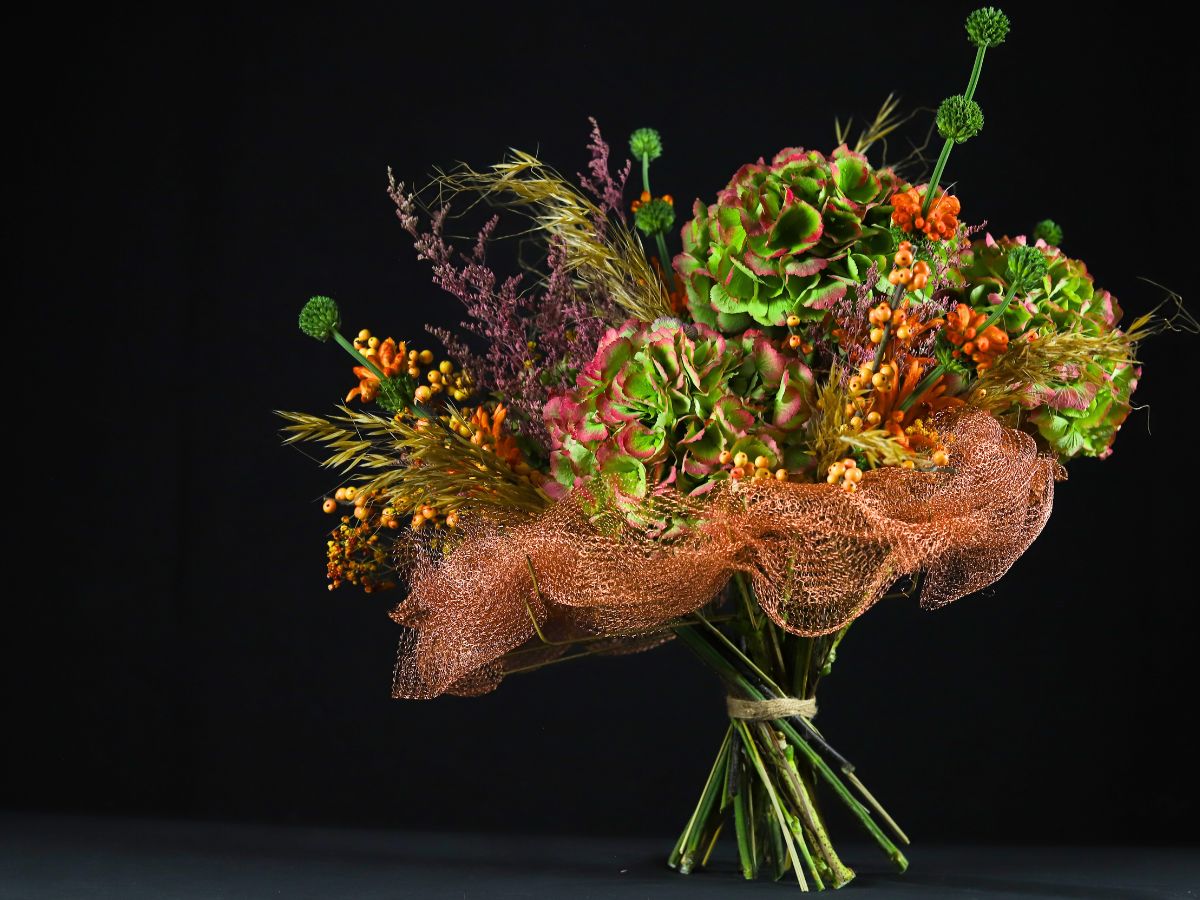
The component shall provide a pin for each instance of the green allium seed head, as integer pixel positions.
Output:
(987, 27)
(320, 318)
(1048, 231)
(959, 119)
(655, 217)
(646, 142)
(1026, 266)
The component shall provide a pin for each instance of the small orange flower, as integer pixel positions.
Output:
(939, 223)
(391, 359)
(962, 330)
(488, 431)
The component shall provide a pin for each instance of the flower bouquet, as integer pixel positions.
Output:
(835, 391)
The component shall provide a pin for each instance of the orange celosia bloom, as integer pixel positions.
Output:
(391, 361)
(939, 223)
(886, 395)
(962, 330)
(489, 431)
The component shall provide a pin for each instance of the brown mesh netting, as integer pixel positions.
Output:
(816, 557)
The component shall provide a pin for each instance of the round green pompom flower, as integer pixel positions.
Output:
(655, 217)
(646, 143)
(320, 318)
(1026, 266)
(959, 119)
(1049, 231)
(987, 27)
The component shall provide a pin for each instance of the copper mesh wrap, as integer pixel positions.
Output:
(817, 557)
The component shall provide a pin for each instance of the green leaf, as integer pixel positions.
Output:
(797, 228)
(628, 473)
(722, 302)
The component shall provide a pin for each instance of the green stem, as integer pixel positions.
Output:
(751, 664)
(748, 603)
(683, 855)
(1000, 310)
(745, 836)
(973, 83)
(752, 752)
(773, 633)
(768, 740)
(931, 189)
(754, 634)
(975, 70)
(925, 384)
(805, 648)
(785, 761)
(358, 356)
(665, 258)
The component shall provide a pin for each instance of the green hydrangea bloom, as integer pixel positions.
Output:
(1081, 415)
(1089, 431)
(1065, 298)
(659, 403)
(786, 237)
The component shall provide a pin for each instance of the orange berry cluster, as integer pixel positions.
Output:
(355, 555)
(914, 277)
(796, 341)
(371, 516)
(742, 466)
(428, 515)
(365, 509)
(905, 325)
(939, 224)
(962, 330)
(394, 358)
(847, 472)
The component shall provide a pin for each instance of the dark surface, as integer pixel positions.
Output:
(187, 176)
(47, 858)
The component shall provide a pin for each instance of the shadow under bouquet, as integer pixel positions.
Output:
(836, 390)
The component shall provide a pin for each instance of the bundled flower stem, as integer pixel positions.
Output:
(784, 759)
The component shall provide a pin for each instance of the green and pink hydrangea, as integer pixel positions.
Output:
(1067, 298)
(665, 405)
(786, 238)
(1082, 416)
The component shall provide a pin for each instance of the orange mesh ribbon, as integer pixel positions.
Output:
(817, 557)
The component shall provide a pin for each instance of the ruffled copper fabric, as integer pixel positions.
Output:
(817, 557)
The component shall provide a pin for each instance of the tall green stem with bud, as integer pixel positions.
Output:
(320, 319)
(959, 118)
(654, 216)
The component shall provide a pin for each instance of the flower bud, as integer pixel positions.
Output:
(987, 27)
(645, 142)
(959, 119)
(320, 318)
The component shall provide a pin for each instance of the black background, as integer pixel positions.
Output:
(185, 181)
